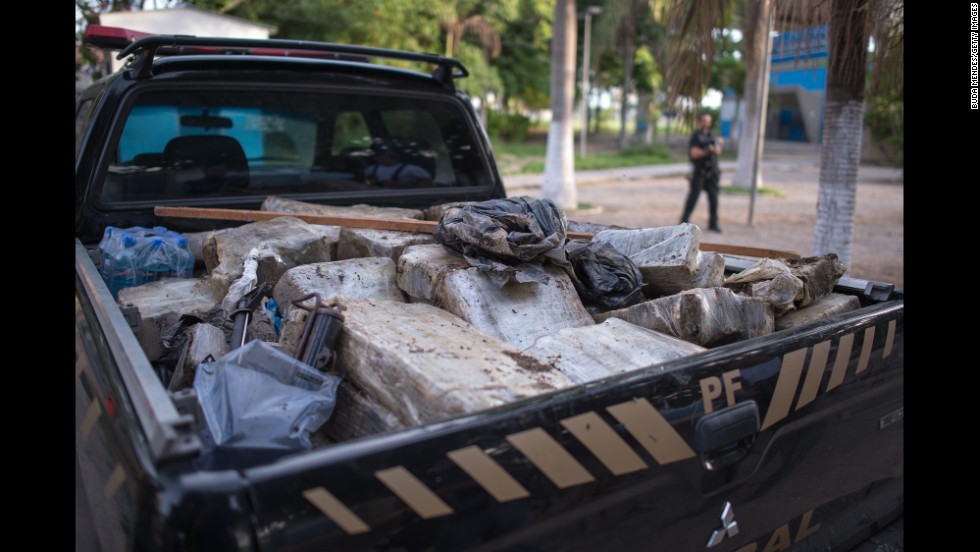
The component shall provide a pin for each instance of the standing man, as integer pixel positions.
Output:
(703, 150)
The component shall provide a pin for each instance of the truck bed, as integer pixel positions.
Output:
(624, 459)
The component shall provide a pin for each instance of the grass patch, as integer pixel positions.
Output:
(517, 149)
(530, 158)
(736, 190)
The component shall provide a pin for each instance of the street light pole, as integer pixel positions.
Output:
(763, 100)
(589, 12)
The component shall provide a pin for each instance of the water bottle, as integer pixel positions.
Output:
(104, 249)
(154, 261)
(143, 236)
(125, 270)
(182, 259)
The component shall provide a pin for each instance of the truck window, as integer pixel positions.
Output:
(175, 145)
(350, 131)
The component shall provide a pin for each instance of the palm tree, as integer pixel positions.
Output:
(755, 32)
(456, 25)
(624, 15)
(851, 24)
(559, 169)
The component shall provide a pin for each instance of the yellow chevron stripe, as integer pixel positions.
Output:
(494, 479)
(116, 479)
(80, 358)
(91, 416)
(602, 441)
(413, 492)
(549, 457)
(789, 379)
(651, 430)
(841, 362)
(814, 373)
(336, 511)
(889, 339)
(869, 339)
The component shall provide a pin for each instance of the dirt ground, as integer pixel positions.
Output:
(784, 222)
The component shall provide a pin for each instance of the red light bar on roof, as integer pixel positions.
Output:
(111, 38)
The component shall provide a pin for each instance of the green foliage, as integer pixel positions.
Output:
(885, 117)
(508, 127)
(524, 63)
(409, 25)
(738, 190)
(653, 151)
(484, 76)
(519, 75)
(646, 73)
(728, 66)
(518, 149)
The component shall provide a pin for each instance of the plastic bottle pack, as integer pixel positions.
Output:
(157, 253)
(124, 265)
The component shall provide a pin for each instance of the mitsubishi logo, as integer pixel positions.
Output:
(728, 526)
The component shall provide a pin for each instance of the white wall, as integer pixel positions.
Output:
(185, 20)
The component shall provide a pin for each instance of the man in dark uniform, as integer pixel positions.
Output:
(703, 150)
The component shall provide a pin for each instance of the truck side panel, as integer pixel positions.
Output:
(617, 460)
(109, 465)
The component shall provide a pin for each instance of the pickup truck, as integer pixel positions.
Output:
(791, 440)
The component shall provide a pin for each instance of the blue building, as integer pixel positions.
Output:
(797, 85)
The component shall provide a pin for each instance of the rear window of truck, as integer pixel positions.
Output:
(178, 144)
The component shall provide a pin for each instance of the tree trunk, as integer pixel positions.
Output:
(840, 152)
(644, 112)
(756, 34)
(559, 169)
(628, 55)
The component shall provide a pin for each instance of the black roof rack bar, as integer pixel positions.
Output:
(151, 44)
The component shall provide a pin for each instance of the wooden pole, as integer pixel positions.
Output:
(405, 225)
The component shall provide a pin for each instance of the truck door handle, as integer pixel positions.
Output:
(726, 436)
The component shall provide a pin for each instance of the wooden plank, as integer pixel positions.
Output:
(248, 215)
(748, 251)
(404, 225)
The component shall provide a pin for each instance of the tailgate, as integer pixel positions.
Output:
(793, 431)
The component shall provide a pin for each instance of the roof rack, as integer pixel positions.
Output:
(146, 47)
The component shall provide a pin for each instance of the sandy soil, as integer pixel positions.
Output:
(784, 222)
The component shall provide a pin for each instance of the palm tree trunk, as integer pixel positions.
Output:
(843, 124)
(644, 112)
(756, 33)
(559, 170)
(628, 55)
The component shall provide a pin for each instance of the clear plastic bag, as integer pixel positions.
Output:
(259, 398)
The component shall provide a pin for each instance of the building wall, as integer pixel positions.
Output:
(184, 20)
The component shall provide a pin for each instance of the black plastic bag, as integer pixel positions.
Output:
(509, 238)
(603, 276)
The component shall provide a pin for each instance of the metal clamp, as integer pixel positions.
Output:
(243, 314)
(323, 325)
